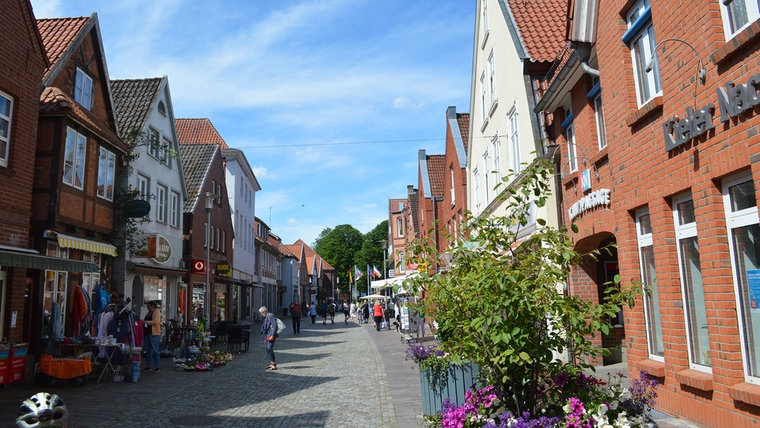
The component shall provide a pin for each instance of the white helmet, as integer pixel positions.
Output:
(42, 410)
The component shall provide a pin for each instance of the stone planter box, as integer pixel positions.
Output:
(459, 380)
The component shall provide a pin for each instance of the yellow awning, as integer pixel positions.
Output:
(68, 241)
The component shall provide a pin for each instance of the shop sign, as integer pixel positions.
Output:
(223, 268)
(163, 249)
(733, 100)
(145, 246)
(593, 199)
(198, 266)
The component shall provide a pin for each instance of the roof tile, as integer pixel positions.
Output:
(132, 100)
(58, 34)
(542, 26)
(198, 131)
(436, 165)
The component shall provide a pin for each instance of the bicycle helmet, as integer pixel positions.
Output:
(42, 410)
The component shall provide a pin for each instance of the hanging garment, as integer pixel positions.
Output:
(78, 310)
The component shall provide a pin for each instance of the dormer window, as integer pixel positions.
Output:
(83, 89)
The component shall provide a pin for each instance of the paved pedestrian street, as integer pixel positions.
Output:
(333, 375)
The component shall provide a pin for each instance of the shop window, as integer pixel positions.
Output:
(74, 159)
(6, 114)
(640, 39)
(106, 173)
(54, 296)
(90, 279)
(738, 15)
(692, 287)
(744, 233)
(651, 289)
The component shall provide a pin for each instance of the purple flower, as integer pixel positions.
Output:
(561, 380)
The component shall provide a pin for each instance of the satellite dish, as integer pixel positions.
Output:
(137, 208)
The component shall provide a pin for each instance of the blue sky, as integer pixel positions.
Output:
(329, 99)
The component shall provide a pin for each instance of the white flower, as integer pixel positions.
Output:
(601, 410)
(614, 404)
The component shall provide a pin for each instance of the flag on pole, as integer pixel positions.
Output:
(350, 277)
(357, 272)
(375, 272)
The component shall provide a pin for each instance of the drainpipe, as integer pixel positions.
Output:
(583, 51)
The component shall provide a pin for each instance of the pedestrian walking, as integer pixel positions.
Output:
(331, 311)
(313, 313)
(397, 310)
(323, 311)
(365, 312)
(295, 315)
(352, 310)
(377, 311)
(269, 331)
(152, 323)
(345, 313)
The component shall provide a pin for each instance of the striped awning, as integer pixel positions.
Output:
(68, 241)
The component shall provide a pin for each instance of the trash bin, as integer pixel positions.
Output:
(5, 360)
(18, 362)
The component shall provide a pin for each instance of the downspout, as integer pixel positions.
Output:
(583, 51)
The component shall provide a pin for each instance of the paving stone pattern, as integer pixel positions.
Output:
(328, 376)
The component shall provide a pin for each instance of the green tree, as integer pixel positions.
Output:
(338, 247)
(371, 252)
(500, 304)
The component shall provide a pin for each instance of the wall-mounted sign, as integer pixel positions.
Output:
(163, 249)
(593, 199)
(223, 268)
(198, 266)
(733, 100)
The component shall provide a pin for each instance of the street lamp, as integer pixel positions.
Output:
(210, 198)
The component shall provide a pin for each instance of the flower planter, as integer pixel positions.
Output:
(459, 379)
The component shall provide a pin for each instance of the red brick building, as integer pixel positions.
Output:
(430, 186)
(667, 168)
(454, 202)
(22, 62)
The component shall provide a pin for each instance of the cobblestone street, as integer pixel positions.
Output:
(341, 375)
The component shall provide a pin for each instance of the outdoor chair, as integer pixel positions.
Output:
(235, 340)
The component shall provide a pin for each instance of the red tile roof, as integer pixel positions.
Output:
(541, 24)
(198, 131)
(436, 165)
(464, 128)
(58, 34)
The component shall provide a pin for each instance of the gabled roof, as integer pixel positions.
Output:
(133, 99)
(34, 30)
(541, 26)
(240, 158)
(58, 34)
(463, 119)
(459, 125)
(198, 131)
(196, 160)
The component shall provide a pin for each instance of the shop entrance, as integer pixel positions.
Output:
(607, 269)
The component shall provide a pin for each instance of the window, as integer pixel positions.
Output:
(601, 132)
(744, 237)
(451, 186)
(83, 89)
(572, 156)
(640, 39)
(476, 194)
(484, 110)
(54, 294)
(400, 226)
(6, 110)
(514, 139)
(162, 108)
(491, 82)
(106, 171)
(484, 20)
(161, 195)
(738, 14)
(165, 152)
(692, 288)
(73, 159)
(90, 279)
(652, 313)
(143, 187)
(487, 174)
(174, 209)
(154, 143)
(496, 149)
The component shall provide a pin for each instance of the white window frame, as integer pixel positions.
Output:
(487, 174)
(514, 138)
(400, 226)
(174, 206)
(648, 85)
(601, 128)
(729, 9)
(106, 174)
(492, 83)
(154, 143)
(83, 89)
(74, 160)
(483, 97)
(56, 287)
(484, 22)
(162, 193)
(683, 232)
(143, 187)
(6, 122)
(572, 153)
(452, 187)
(734, 220)
(165, 152)
(652, 314)
(476, 193)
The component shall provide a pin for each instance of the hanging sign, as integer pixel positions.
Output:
(223, 268)
(163, 250)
